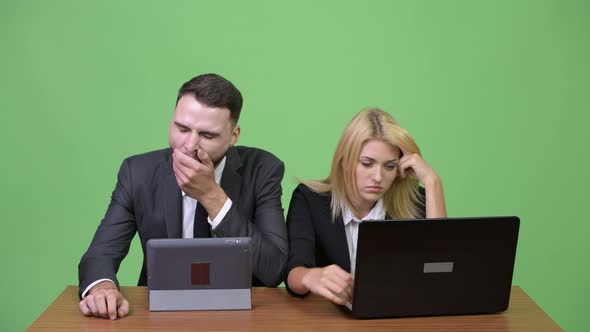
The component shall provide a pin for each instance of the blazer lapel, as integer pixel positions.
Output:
(341, 244)
(173, 200)
(231, 180)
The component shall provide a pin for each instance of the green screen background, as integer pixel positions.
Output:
(496, 93)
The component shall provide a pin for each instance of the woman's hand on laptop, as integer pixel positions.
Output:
(104, 301)
(331, 282)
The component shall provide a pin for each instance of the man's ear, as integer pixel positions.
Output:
(235, 134)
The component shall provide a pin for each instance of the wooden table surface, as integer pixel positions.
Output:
(274, 310)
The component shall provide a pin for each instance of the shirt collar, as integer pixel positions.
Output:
(376, 213)
(218, 172)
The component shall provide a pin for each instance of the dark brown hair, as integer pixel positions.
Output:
(214, 91)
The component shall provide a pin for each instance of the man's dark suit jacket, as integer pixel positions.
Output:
(147, 199)
(315, 240)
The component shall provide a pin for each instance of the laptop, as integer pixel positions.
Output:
(431, 267)
(199, 274)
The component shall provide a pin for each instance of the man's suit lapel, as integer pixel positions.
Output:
(173, 199)
(231, 180)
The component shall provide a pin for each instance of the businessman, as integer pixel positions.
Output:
(202, 186)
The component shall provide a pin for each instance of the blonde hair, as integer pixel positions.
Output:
(401, 200)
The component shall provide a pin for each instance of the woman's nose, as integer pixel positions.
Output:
(377, 175)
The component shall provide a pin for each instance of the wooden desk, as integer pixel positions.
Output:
(274, 310)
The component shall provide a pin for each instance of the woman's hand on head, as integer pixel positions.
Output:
(331, 282)
(413, 163)
(435, 198)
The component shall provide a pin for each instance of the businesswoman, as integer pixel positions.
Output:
(375, 174)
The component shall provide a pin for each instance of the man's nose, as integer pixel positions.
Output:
(192, 142)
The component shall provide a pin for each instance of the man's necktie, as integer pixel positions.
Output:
(201, 228)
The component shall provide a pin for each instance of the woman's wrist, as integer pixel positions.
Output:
(298, 280)
(433, 181)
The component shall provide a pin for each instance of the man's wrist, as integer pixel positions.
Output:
(214, 201)
(107, 284)
(96, 282)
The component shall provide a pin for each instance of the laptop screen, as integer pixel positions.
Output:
(434, 266)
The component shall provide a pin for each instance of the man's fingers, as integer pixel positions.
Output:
(204, 157)
(190, 167)
(105, 304)
(101, 305)
(111, 301)
(179, 165)
(84, 308)
(89, 300)
(179, 172)
(123, 307)
(186, 161)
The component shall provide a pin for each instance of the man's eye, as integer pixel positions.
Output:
(207, 136)
(183, 130)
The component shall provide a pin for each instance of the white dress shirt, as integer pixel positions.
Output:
(351, 226)
(189, 206)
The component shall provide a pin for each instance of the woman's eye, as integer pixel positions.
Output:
(392, 167)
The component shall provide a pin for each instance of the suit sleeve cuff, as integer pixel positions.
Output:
(215, 222)
(93, 284)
